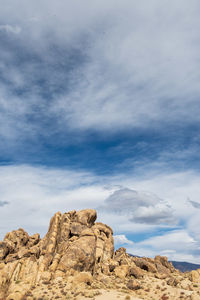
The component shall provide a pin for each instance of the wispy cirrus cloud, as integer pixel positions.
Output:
(10, 29)
(99, 66)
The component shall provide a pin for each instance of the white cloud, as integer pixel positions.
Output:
(193, 225)
(146, 71)
(10, 29)
(176, 245)
(161, 213)
(140, 207)
(121, 239)
(194, 204)
(141, 65)
(2, 203)
(179, 240)
(34, 194)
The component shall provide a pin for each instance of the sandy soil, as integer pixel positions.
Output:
(152, 289)
(112, 295)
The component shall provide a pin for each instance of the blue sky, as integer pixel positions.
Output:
(99, 107)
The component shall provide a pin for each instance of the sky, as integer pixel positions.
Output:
(99, 108)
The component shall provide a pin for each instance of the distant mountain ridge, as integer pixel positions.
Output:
(185, 266)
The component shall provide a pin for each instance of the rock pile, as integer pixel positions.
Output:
(76, 258)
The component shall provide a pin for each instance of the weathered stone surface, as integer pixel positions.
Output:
(86, 217)
(173, 281)
(133, 285)
(112, 265)
(122, 271)
(145, 264)
(4, 250)
(194, 276)
(135, 271)
(163, 261)
(80, 255)
(194, 297)
(84, 277)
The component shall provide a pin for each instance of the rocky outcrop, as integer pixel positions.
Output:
(74, 242)
(76, 250)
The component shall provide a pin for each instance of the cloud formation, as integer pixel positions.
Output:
(36, 193)
(98, 66)
(141, 207)
(121, 239)
(124, 76)
(195, 204)
(2, 203)
(177, 245)
(10, 29)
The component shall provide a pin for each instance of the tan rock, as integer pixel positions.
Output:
(84, 277)
(55, 262)
(173, 281)
(105, 269)
(18, 238)
(133, 285)
(163, 260)
(33, 240)
(59, 274)
(185, 284)
(194, 297)
(135, 271)
(112, 265)
(145, 265)
(4, 250)
(87, 232)
(77, 228)
(46, 276)
(86, 217)
(122, 271)
(104, 242)
(80, 255)
(194, 276)
(15, 296)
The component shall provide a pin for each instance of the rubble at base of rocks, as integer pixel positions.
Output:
(76, 258)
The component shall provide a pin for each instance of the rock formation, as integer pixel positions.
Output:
(76, 254)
